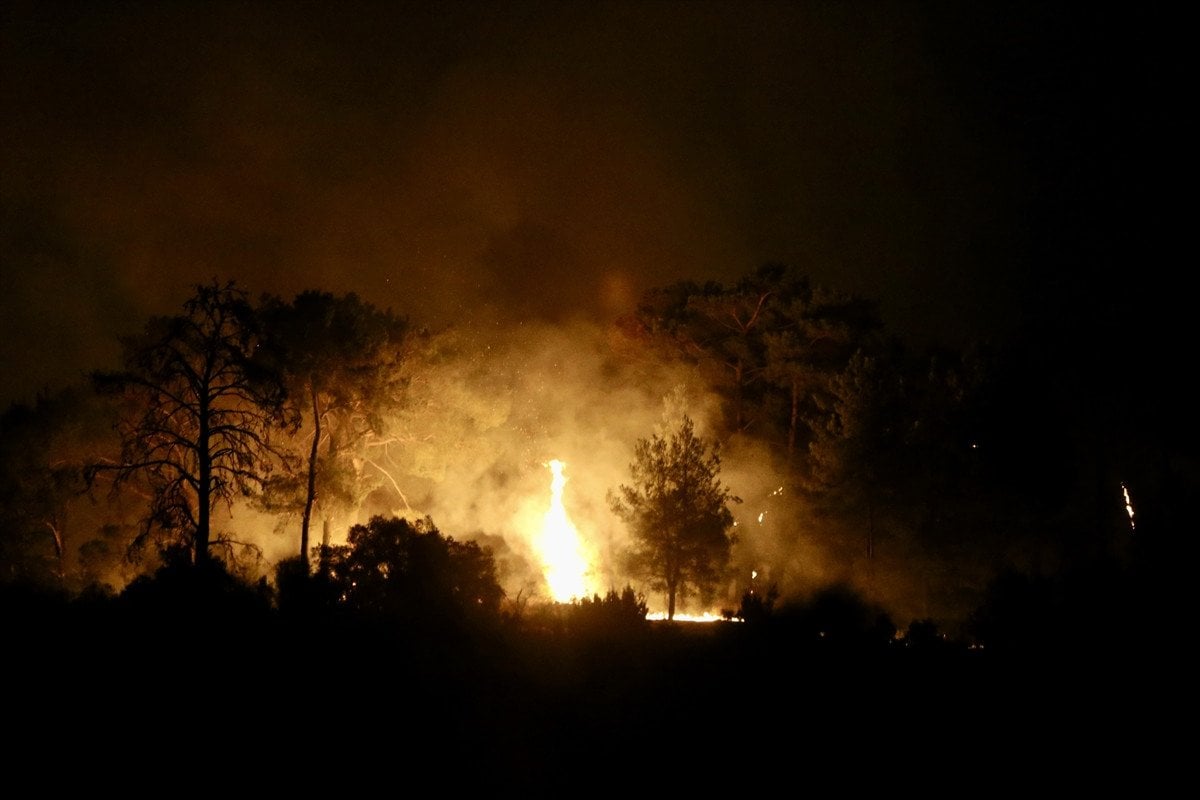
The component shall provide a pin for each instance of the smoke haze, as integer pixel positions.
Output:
(469, 162)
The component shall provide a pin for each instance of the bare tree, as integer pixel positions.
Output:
(200, 411)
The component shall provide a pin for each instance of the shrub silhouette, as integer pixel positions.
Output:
(402, 569)
(614, 613)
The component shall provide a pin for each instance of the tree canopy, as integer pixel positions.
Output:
(341, 360)
(396, 567)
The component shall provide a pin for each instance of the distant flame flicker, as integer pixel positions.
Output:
(1128, 506)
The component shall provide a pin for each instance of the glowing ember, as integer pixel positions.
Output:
(562, 555)
(1128, 506)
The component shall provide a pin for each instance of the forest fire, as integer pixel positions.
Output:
(558, 545)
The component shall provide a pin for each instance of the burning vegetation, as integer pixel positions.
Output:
(237, 426)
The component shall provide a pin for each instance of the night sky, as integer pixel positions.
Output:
(971, 166)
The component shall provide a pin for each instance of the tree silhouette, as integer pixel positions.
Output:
(855, 450)
(717, 328)
(766, 343)
(341, 359)
(201, 408)
(676, 509)
(812, 336)
(39, 477)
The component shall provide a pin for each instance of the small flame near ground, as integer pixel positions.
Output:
(564, 564)
(707, 616)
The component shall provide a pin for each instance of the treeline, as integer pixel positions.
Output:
(274, 403)
(956, 481)
(935, 476)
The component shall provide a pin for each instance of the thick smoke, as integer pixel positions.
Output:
(475, 164)
(487, 413)
(487, 420)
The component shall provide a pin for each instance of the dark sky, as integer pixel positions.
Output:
(969, 165)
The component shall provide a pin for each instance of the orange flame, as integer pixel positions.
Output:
(565, 564)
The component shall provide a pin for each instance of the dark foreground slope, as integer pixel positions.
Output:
(339, 704)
